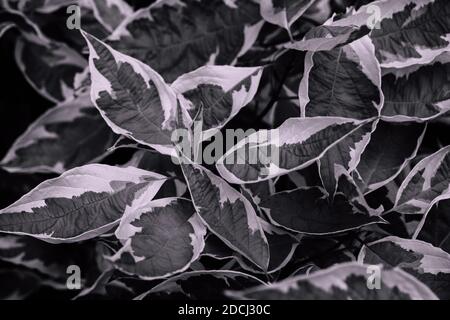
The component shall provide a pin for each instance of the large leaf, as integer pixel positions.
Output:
(283, 12)
(296, 144)
(219, 92)
(427, 182)
(49, 66)
(161, 238)
(67, 136)
(343, 82)
(341, 282)
(421, 95)
(390, 148)
(80, 204)
(207, 284)
(307, 210)
(132, 98)
(227, 213)
(427, 263)
(175, 37)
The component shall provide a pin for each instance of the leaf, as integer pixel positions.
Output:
(110, 13)
(344, 82)
(435, 225)
(341, 282)
(227, 213)
(328, 37)
(415, 32)
(175, 37)
(48, 259)
(283, 12)
(17, 284)
(308, 211)
(296, 144)
(346, 154)
(390, 149)
(207, 284)
(422, 260)
(67, 136)
(421, 95)
(48, 66)
(80, 204)
(222, 91)
(427, 182)
(161, 238)
(132, 98)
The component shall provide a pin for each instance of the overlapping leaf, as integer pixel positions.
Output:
(421, 95)
(110, 13)
(297, 143)
(175, 37)
(80, 204)
(307, 210)
(219, 92)
(161, 238)
(210, 285)
(343, 82)
(427, 182)
(48, 65)
(283, 12)
(427, 263)
(67, 136)
(341, 282)
(227, 213)
(132, 98)
(390, 148)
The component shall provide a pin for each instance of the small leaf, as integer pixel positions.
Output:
(161, 238)
(427, 182)
(222, 91)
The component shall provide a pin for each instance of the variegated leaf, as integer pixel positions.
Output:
(296, 144)
(283, 12)
(403, 32)
(347, 154)
(207, 284)
(67, 136)
(110, 13)
(49, 66)
(175, 37)
(308, 211)
(341, 282)
(427, 182)
(80, 204)
(343, 82)
(420, 95)
(160, 238)
(435, 225)
(132, 98)
(219, 92)
(429, 264)
(390, 149)
(227, 213)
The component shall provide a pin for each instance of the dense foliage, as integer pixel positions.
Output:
(351, 97)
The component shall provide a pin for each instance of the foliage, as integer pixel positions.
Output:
(356, 113)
